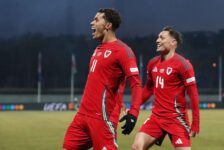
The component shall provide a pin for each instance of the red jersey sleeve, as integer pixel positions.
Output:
(127, 61)
(189, 80)
(148, 87)
(193, 94)
(187, 73)
(136, 94)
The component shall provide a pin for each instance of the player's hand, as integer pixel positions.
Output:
(125, 111)
(129, 124)
(192, 133)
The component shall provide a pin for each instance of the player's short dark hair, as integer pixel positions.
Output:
(112, 16)
(175, 34)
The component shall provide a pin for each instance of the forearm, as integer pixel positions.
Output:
(147, 90)
(136, 94)
(194, 101)
(146, 93)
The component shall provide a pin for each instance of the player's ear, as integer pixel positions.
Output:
(174, 42)
(109, 26)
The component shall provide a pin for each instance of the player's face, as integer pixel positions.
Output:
(165, 42)
(98, 25)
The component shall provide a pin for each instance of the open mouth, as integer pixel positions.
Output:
(94, 30)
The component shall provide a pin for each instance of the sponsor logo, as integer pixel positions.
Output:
(189, 80)
(178, 141)
(107, 53)
(134, 69)
(169, 70)
(55, 107)
(12, 107)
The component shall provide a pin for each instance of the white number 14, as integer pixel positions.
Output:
(159, 81)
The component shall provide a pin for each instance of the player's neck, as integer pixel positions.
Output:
(109, 37)
(168, 55)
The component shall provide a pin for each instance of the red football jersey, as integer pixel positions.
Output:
(110, 65)
(170, 79)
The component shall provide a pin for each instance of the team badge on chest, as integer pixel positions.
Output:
(107, 53)
(169, 70)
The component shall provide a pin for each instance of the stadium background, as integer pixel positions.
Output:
(39, 39)
(45, 46)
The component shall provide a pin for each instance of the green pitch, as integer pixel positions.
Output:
(36, 130)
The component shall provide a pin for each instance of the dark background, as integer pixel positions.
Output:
(58, 28)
